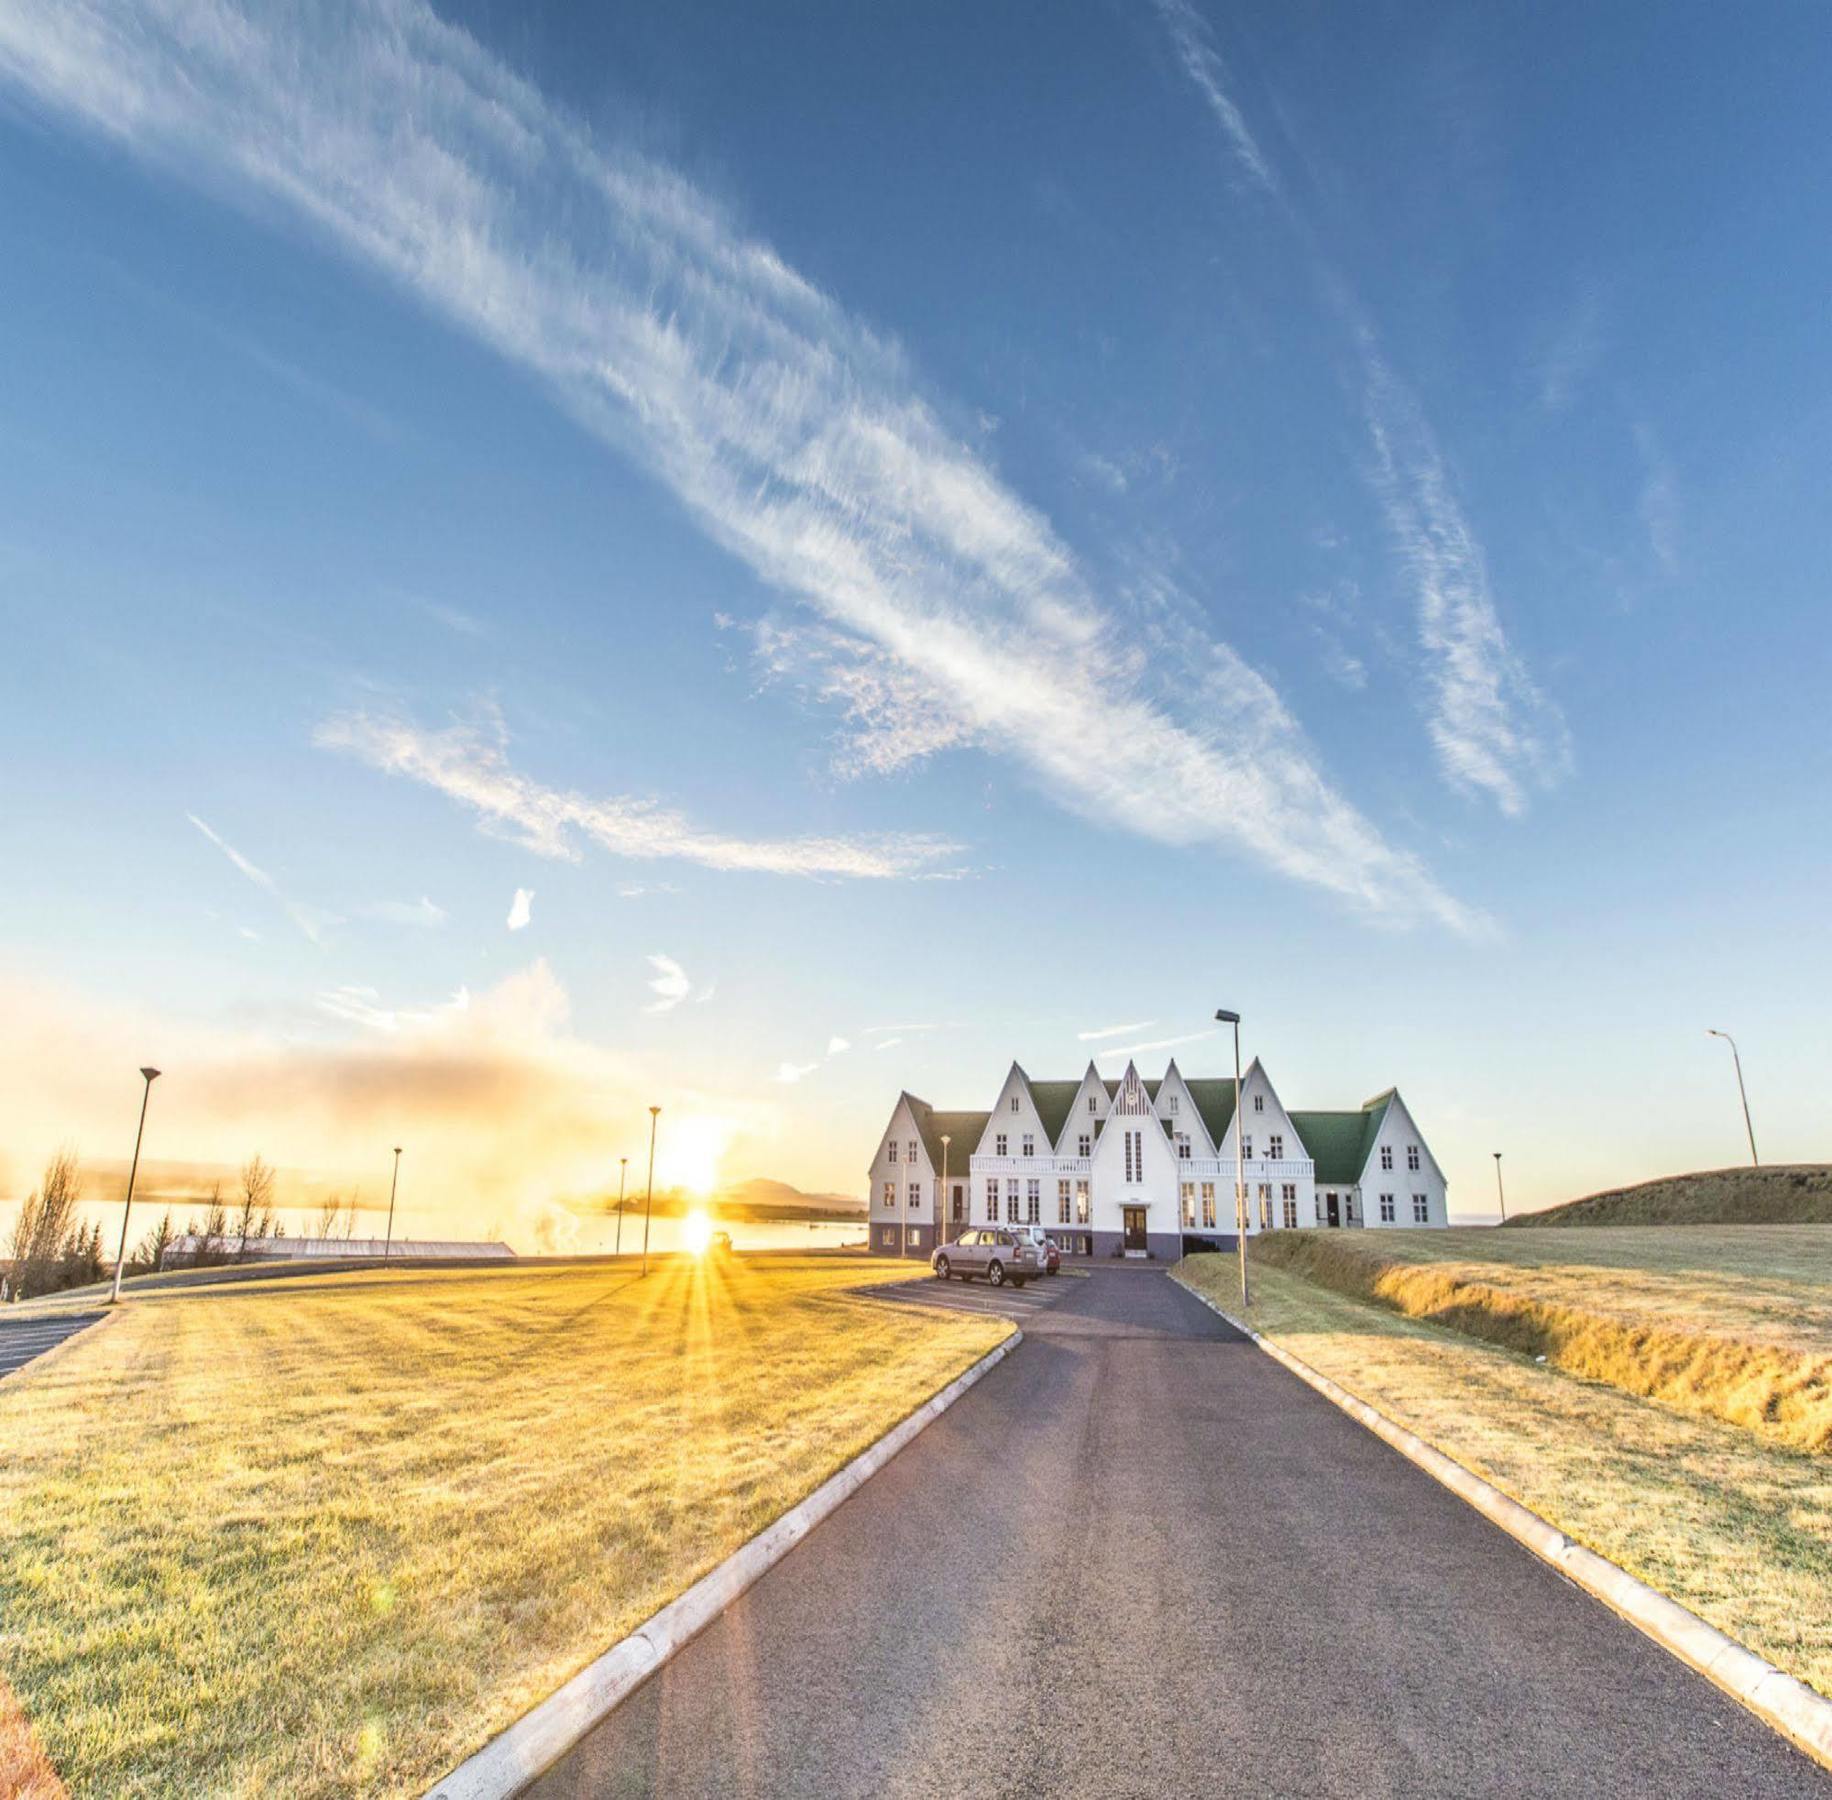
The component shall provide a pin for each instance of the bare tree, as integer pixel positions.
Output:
(45, 1226)
(149, 1253)
(255, 1214)
(328, 1210)
(210, 1241)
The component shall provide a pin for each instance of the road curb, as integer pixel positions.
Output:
(1792, 1708)
(541, 1736)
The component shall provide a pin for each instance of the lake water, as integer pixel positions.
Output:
(665, 1235)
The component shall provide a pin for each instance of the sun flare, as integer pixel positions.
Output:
(696, 1232)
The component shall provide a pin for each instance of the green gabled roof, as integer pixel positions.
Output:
(1340, 1143)
(964, 1128)
(1053, 1100)
(1215, 1102)
(1112, 1085)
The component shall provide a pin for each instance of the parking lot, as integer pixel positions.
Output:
(23, 1339)
(1007, 1302)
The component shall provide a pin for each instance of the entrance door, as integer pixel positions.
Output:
(1333, 1214)
(1133, 1218)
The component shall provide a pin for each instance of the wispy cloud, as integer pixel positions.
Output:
(521, 909)
(789, 1073)
(353, 1004)
(310, 920)
(422, 912)
(469, 763)
(1109, 1031)
(1493, 730)
(1170, 1043)
(889, 1043)
(796, 437)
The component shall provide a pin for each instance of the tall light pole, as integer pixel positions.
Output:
(649, 1204)
(1240, 1168)
(1742, 1092)
(623, 1170)
(393, 1184)
(941, 1212)
(1499, 1195)
(149, 1076)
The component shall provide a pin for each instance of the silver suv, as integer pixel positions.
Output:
(999, 1255)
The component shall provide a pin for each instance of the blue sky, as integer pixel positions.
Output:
(968, 526)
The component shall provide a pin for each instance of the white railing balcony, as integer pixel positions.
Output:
(1221, 1168)
(1033, 1165)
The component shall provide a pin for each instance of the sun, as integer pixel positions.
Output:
(696, 1232)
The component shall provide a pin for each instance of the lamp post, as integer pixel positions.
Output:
(941, 1212)
(1499, 1194)
(149, 1076)
(1742, 1092)
(649, 1203)
(1240, 1168)
(623, 1169)
(393, 1185)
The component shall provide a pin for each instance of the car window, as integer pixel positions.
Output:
(968, 1237)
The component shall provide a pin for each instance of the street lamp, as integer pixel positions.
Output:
(1499, 1195)
(649, 1203)
(1240, 1168)
(941, 1212)
(393, 1184)
(623, 1169)
(149, 1076)
(1742, 1092)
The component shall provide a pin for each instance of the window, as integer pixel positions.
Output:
(1063, 1215)
(1246, 1149)
(1288, 1201)
(1208, 1206)
(888, 1237)
(915, 1193)
(1421, 1210)
(1183, 1149)
(909, 1151)
(1265, 1200)
(1386, 1156)
(992, 1200)
(1275, 1147)
(958, 1206)
(1135, 1156)
(890, 1193)
(1030, 1145)
(891, 1150)
(1014, 1103)
(1033, 1202)
(1386, 1209)
(1093, 1103)
(1189, 1203)
(999, 1144)
(1412, 1157)
(1171, 1104)
(1084, 1145)
(1081, 1203)
(1011, 1202)
(1321, 1214)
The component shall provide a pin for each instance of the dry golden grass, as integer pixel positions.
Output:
(1731, 1322)
(326, 1536)
(25, 1770)
(1730, 1525)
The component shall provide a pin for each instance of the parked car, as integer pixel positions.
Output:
(720, 1243)
(998, 1254)
(1052, 1252)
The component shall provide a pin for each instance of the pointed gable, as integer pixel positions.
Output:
(1131, 1098)
(1084, 1119)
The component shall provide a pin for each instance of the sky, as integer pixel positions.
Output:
(559, 559)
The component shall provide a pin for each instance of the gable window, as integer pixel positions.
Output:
(998, 1144)
(915, 1194)
(1084, 1145)
(1033, 1202)
(1421, 1210)
(891, 1149)
(1208, 1206)
(1386, 1209)
(909, 1151)
(1063, 1214)
(1412, 1157)
(1275, 1147)
(1030, 1145)
(1259, 1102)
(1093, 1103)
(992, 1200)
(1246, 1149)
(1386, 1156)
(1183, 1148)
(1171, 1104)
(1014, 1103)
(1011, 1202)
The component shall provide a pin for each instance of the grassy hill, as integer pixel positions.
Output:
(1786, 1195)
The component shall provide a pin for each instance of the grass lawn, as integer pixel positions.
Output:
(326, 1536)
(1730, 1524)
(1734, 1322)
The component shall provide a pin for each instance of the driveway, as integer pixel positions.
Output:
(23, 1339)
(1140, 1559)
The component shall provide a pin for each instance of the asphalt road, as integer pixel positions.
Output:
(23, 1339)
(1139, 1559)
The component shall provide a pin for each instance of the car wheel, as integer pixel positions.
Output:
(941, 1267)
(995, 1273)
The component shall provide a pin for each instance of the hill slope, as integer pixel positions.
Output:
(1796, 1195)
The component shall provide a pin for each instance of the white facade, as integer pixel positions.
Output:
(1134, 1167)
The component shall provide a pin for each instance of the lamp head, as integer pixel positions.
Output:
(1225, 1017)
(397, 1149)
(151, 1075)
(653, 1111)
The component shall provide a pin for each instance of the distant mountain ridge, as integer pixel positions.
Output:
(1787, 1194)
(758, 1200)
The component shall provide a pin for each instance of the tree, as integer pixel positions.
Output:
(45, 1225)
(255, 1214)
(149, 1253)
(210, 1240)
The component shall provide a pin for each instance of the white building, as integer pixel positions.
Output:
(1142, 1168)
